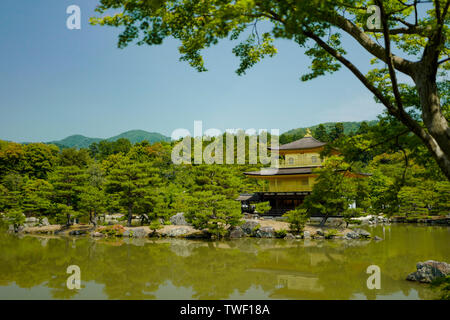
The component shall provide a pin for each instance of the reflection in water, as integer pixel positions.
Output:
(34, 267)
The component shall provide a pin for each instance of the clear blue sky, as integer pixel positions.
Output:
(57, 82)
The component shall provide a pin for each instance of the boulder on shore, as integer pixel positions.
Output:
(265, 232)
(179, 220)
(44, 222)
(289, 236)
(236, 233)
(249, 226)
(319, 232)
(429, 270)
(135, 233)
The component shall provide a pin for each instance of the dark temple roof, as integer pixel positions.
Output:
(303, 143)
(280, 171)
(291, 171)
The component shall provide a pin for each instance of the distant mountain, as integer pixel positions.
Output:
(75, 141)
(140, 135)
(348, 128)
(80, 141)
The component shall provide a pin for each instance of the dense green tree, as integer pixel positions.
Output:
(263, 207)
(67, 183)
(39, 159)
(297, 219)
(73, 157)
(411, 201)
(213, 212)
(337, 132)
(132, 182)
(92, 202)
(15, 217)
(11, 157)
(321, 133)
(37, 197)
(333, 192)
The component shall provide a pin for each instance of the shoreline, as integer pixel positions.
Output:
(335, 228)
(251, 228)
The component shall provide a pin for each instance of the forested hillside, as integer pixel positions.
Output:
(134, 136)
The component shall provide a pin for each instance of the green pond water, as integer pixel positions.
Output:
(33, 267)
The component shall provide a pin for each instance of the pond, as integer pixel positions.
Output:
(35, 267)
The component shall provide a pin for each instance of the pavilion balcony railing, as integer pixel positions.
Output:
(299, 163)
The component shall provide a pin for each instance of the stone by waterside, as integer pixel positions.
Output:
(236, 233)
(265, 232)
(351, 235)
(135, 233)
(289, 236)
(362, 233)
(249, 226)
(187, 232)
(319, 232)
(372, 219)
(179, 220)
(429, 270)
(97, 234)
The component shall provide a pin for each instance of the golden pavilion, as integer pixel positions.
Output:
(294, 178)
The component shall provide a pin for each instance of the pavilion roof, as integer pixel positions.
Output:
(303, 143)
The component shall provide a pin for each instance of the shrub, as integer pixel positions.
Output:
(349, 214)
(443, 285)
(331, 233)
(15, 217)
(263, 207)
(112, 231)
(155, 225)
(280, 234)
(297, 219)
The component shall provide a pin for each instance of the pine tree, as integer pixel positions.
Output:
(133, 183)
(67, 184)
(321, 133)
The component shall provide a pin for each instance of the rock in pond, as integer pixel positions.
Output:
(351, 235)
(319, 232)
(77, 232)
(377, 238)
(429, 270)
(289, 236)
(306, 235)
(362, 233)
(97, 234)
(265, 232)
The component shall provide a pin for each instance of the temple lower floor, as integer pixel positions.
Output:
(280, 202)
